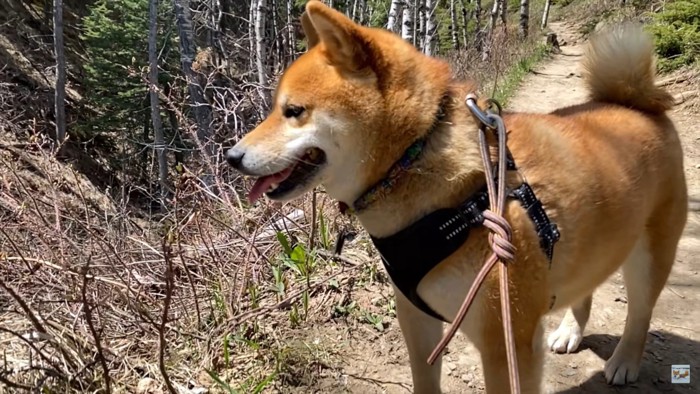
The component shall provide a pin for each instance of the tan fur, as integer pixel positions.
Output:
(618, 69)
(610, 176)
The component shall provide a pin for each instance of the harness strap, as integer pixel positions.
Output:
(414, 251)
(546, 230)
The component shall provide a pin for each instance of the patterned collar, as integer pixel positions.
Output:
(410, 156)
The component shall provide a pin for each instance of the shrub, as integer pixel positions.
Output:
(677, 33)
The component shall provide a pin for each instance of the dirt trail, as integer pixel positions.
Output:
(373, 362)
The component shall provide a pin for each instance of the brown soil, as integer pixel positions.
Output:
(368, 361)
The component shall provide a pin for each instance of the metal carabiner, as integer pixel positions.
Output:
(470, 101)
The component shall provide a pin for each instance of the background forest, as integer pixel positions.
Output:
(129, 260)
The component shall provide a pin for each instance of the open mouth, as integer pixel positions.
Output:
(297, 175)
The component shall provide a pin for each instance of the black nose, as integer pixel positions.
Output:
(234, 157)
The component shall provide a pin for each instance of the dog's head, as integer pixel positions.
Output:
(341, 111)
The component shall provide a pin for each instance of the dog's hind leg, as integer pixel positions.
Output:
(421, 333)
(570, 332)
(645, 272)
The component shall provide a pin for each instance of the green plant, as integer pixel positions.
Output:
(324, 231)
(297, 258)
(377, 321)
(254, 295)
(676, 30)
(280, 285)
(249, 386)
(344, 310)
(217, 298)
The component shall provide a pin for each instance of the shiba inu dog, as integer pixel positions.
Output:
(609, 172)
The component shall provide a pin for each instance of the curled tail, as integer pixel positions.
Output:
(619, 68)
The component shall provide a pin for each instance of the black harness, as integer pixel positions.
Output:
(412, 252)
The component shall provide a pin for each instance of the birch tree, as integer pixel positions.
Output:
(361, 9)
(420, 31)
(545, 14)
(188, 50)
(159, 141)
(251, 33)
(60, 88)
(394, 9)
(453, 25)
(494, 16)
(503, 7)
(260, 52)
(524, 17)
(430, 27)
(279, 38)
(407, 24)
(290, 30)
(465, 24)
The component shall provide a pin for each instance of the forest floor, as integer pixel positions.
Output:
(362, 360)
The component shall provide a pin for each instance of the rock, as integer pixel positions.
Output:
(568, 372)
(148, 386)
(553, 43)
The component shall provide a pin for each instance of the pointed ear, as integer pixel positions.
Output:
(309, 31)
(339, 34)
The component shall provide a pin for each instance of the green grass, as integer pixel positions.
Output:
(676, 31)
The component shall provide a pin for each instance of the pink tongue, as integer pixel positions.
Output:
(263, 183)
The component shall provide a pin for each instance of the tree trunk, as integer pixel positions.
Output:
(159, 141)
(524, 18)
(478, 37)
(407, 25)
(291, 42)
(494, 16)
(361, 12)
(277, 34)
(369, 13)
(430, 27)
(453, 25)
(420, 32)
(260, 50)
(488, 42)
(215, 29)
(251, 33)
(393, 14)
(60, 88)
(503, 7)
(201, 109)
(545, 14)
(465, 25)
(416, 17)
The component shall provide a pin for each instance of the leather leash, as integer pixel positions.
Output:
(499, 237)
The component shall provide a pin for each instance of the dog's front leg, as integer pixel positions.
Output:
(421, 333)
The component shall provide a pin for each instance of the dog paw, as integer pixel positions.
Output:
(565, 339)
(619, 371)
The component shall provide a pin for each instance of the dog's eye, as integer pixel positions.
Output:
(293, 111)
